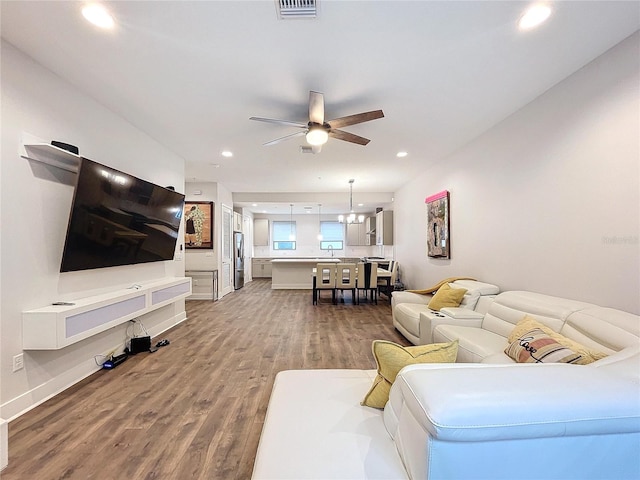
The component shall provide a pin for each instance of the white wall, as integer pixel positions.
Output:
(35, 202)
(196, 259)
(546, 201)
(307, 244)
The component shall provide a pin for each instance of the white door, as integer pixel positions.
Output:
(227, 250)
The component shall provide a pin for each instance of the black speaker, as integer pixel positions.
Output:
(140, 344)
(65, 146)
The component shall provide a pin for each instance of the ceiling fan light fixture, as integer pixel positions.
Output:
(98, 15)
(534, 16)
(317, 136)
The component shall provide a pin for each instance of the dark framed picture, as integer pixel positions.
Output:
(198, 223)
(438, 241)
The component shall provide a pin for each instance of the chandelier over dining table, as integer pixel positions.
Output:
(351, 218)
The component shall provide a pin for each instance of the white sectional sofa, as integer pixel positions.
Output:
(416, 321)
(493, 420)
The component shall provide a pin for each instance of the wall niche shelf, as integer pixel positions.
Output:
(51, 155)
(57, 326)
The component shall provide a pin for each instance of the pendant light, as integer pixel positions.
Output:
(292, 237)
(351, 218)
(319, 222)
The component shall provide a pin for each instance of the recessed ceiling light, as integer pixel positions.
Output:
(401, 154)
(254, 204)
(227, 153)
(534, 16)
(98, 15)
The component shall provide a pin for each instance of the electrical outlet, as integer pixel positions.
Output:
(18, 362)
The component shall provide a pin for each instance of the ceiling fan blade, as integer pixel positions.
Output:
(348, 137)
(287, 137)
(357, 118)
(280, 122)
(316, 107)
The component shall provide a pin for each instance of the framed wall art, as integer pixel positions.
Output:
(438, 241)
(198, 220)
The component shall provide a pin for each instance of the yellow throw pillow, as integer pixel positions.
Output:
(391, 358)
(529, 323)
(447, 297)
(535, 346)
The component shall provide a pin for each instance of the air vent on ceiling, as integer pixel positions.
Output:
(305, 149)
(296, 8)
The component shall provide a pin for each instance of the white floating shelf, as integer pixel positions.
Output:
(50, 155)
(57, 326)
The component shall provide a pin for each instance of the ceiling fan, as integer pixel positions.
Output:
(317, 131)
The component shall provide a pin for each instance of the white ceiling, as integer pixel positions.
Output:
(191, 73)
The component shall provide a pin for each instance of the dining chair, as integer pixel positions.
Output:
(346, 279)
(367, 280)
(383, 286)
(325, 279)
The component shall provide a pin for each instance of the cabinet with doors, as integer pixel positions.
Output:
(370, 227)
(360, 233)
(237, 222)
(261, 268)
(356, 234)
(384, 227)
(261, 232)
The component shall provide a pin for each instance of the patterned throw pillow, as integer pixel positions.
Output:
(535, 346)
(391, 358)
(529, 323)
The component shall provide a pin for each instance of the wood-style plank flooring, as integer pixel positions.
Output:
(195, 408)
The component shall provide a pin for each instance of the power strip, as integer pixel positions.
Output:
(115, 361)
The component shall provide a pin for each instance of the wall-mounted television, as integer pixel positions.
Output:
(118, 219)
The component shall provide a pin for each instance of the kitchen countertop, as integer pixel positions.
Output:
(305, 260)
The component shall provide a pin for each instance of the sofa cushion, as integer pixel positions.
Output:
(535, 346)
(529, 323)
(603, 329)
(391, 358)
(447, 297)
(475, 290)
(408, 314)
(474, 343)
(315, 428)
(508, 308)
(480, 287)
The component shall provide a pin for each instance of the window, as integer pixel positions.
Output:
(284, 234)
(332, 236)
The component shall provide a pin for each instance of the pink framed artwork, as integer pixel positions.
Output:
(438, 240)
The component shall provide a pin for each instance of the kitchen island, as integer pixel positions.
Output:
(295, 273)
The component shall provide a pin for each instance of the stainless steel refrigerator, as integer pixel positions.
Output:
(238, 259)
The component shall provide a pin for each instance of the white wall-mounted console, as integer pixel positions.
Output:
(58, 157)
(57, 326)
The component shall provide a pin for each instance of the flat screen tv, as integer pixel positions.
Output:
(118, 219)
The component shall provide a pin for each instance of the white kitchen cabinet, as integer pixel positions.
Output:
(261, 268)
(356, 234)
(384, 227)
(237, 222)
(261, 232)
(360, 233)
(370, 230)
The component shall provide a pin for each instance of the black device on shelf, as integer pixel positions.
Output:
(118, 219)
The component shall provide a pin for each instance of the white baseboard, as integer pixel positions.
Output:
(4, 444)
(23, 403)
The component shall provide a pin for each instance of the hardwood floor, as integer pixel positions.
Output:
(195, 408)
